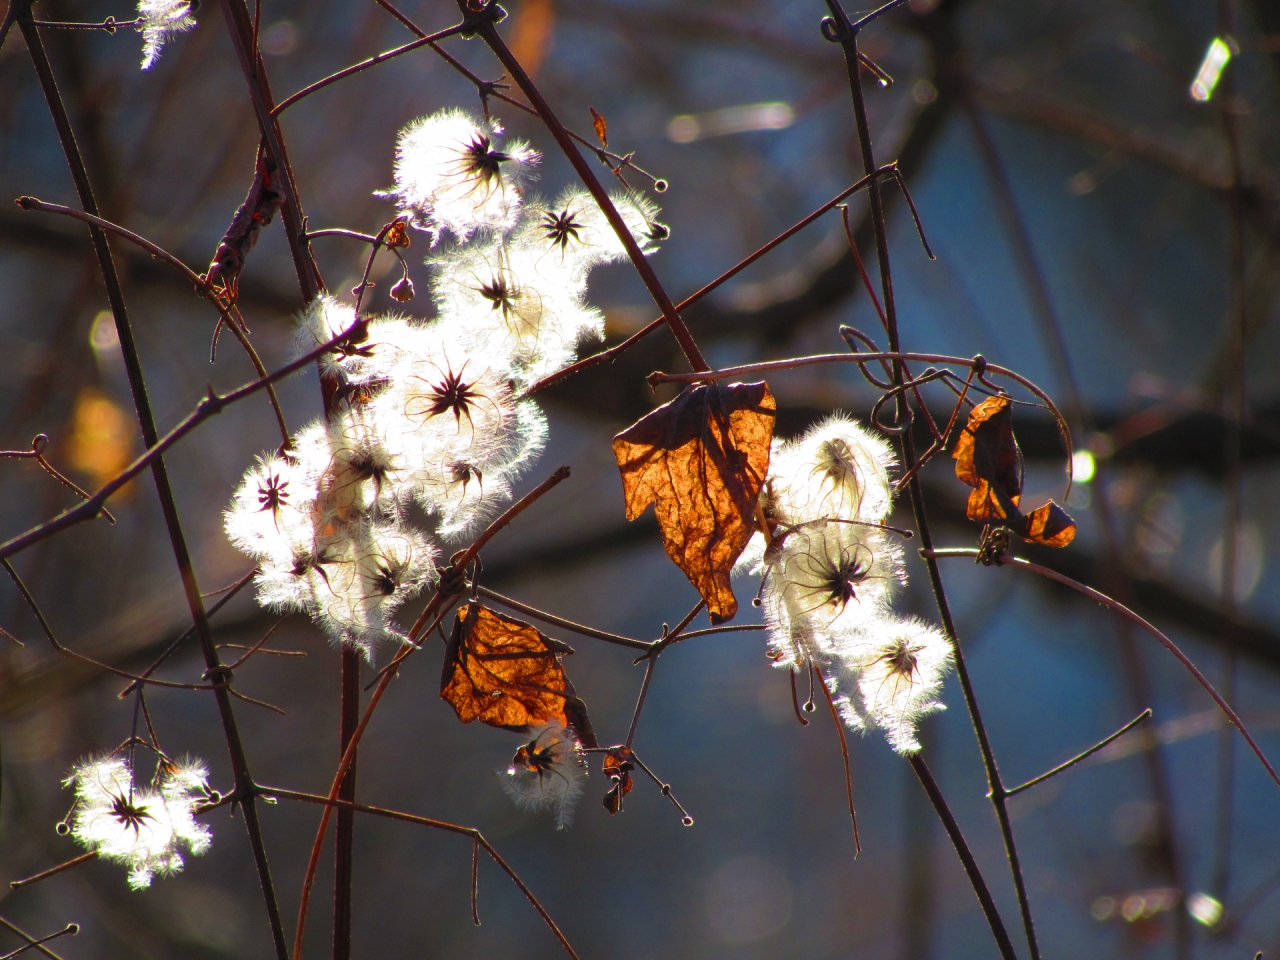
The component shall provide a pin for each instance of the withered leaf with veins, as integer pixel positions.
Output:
(701, 460)
(506, 673)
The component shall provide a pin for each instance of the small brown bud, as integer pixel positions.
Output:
(403, 290)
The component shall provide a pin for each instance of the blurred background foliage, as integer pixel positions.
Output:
(1082, 206)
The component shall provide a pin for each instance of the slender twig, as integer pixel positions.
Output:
(39, 444)
(674, 636)
(555, 621)
(344, 832)
(644, 692)
(1234, 400)
(665, 788)
(607, 356)
(289, 101)
(838, 28)
(475, 835)
(1010, 791)
(730, 628)
(483, 23)
(1133, 618)
(450, 586)
(844, 753)
(490, 88)
(30, 600)
(258, 646)
(475, 882)
(966, 856)
(655, 649)
(109, 25)
(228, 594)
(898, 356)
(54, 871)
(71, 929)
(211, 405)
(11, 927)
(342, 232)
(243, 38)
(203, 287)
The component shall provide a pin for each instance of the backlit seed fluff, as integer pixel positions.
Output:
(464, 490)
(572, 234)
(836, 469)
(354, 601)
(547, 772)
(452, 172)
(161, 19)
(271, 511)
(144, 829)
(505, 303)
(894, 670)
(824, 579)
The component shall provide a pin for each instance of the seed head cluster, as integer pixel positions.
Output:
(144, 828)
(830, 570)
(428, 414)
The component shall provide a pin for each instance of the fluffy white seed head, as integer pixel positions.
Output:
(895, 669)
(504, 302)
(144, 829)
(836, 469)
(368, 475)
(270, 514)
(547, 773)
(448, 401)
(572, 234)
(463, 491)
(823, 580)
(354, 602)
(353, 362)
(161, 19)
(453, 173)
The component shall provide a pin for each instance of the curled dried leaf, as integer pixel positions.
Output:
(988, 460)
(701, 461)
(397, 233)
(617, 768)
(259, 209)
(506, 673)
(601, 125)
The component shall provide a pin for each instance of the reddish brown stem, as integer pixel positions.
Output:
(489, 34)
(844, 753)
(1133, 618)
(606, 356)
(449, 588)
(54, 871)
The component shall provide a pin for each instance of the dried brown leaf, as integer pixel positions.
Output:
(601, 125)
(701, 460)
(617, 769)
(506, 673)
(988, 459)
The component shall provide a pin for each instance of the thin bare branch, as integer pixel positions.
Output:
(1133, 618)
(1080, 756)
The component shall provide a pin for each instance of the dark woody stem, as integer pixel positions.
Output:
(146, 421)
(487, 32)
(838, 28)
(450, 586)
(244, 37)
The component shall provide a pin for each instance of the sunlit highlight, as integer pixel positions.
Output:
(1083, 466)
(1215, 61)
(689, 127)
